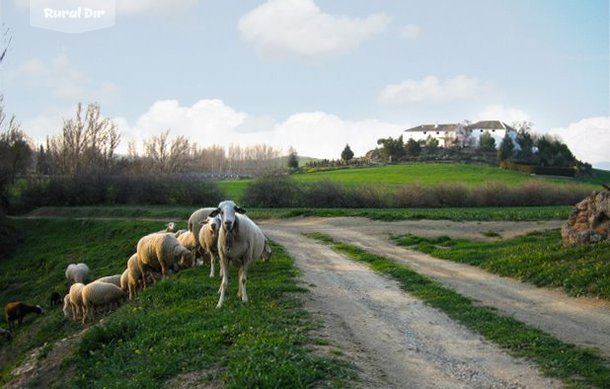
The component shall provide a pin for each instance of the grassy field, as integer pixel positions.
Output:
(181, 214)
(394, 176)
(576, 366)
(173, 328)
(538, 258)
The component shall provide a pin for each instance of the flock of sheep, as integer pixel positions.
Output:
(224, 232)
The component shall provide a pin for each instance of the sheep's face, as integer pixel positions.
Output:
(267, 251)
(226, 210)
(187, 260)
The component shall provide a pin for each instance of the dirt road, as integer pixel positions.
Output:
(398, 341)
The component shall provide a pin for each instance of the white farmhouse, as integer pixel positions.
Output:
(462, 134)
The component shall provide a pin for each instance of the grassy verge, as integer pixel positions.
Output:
(181, 214)
(173, 328)
(538, 258)
(576, 366)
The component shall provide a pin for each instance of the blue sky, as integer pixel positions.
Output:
(316, 75)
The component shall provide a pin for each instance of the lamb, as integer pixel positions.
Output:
(114, 279)
(77, 273)
(187, 239)
(17, 310)
(161, 251)
(100, 294)
(76, 299)
(208, 239)
(240, 241)
(194, 223)
(169, 227)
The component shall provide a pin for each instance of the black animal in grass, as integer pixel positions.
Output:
(17, 310)
(54, 299)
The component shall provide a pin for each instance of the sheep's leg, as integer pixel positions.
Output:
(85, 313)
(243, 278)
(163, 270)
(225, 281)
(212, 260)
(141, 267)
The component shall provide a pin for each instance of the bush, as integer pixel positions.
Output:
(9, 237)
(272, 192)
(109, 190)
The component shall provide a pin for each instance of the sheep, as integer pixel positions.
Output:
(100, 294)
(161, 251)
(76, 299)
(169, 227)
(180, 232)
(240, 241)
(124, 284)
(208, 239)
(187, 239)
(114, 279)
(133, 275)
(7, 334)
(67, 306)
(17, 310)
(77, 273)
(54, 299)
(194, 223)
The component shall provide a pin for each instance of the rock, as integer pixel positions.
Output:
(589, 222)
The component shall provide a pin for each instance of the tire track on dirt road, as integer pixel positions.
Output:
(396, 340)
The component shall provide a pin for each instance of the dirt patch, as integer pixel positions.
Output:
(394, 339)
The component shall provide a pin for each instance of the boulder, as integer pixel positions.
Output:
(589, 221)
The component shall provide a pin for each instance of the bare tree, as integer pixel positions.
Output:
(86, 145)
(165, 155)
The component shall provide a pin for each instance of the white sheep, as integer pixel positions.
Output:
(194, 223)
(208, 239)
(100, 295)
(187, 239)
(124, 284)
(240, 241)
(133, 276)
(67, 307)
(114, 279)
(169, 227)
(76, 299)
(77, 273)
(162, 251)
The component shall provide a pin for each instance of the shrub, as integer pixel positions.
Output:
(272, 192)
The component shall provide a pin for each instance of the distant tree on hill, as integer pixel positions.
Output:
(431, 143)
(392, 149)
(505, 151)
(412, 148)
(293, 159)
(487, 142)
(347, 154)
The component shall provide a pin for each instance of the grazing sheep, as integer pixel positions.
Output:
(76, 299)
(208, 239)
(100, 295)
(77, 273)
(187, 239)
(17, 310)
(240, 241)
(7, 334)
(133, 276)
(115, 279)
(124, 284)
(162, 251)
(67, 309)
(54, 299)
(194, 223)
(169, 227)
(180, 232)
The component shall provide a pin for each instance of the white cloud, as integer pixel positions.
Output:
(431, 90)
(506, 114)
(410, 32)
(589, 139)
(63, 80)
(299, 28)
(211, 122)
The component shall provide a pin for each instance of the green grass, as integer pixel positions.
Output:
(181, 214)
(430, 174)
(173, 328)
(539, 258)
(574, 365)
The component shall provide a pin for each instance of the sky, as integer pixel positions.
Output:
(312, 74)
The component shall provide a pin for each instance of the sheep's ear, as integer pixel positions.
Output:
(240, 210)
(214, 212)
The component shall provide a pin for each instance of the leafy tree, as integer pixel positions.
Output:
(431, 143)
(392, 149)
(293, 159)
(505, 151)
(487, 142)
(553, 152)
(412, 148)
(347, 154)
(526, 142)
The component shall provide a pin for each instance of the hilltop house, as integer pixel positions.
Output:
(463, 135)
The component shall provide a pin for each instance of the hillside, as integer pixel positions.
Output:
(394, 176)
